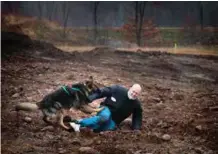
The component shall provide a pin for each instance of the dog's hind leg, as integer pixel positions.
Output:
(46, 116)
(60, 119)
(47, 120)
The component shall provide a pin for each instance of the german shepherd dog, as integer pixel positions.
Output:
(55, 104)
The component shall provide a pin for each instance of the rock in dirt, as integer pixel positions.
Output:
(162, 124)
(98, 142)
(119, 80)
(178, 96)
(88, 143)
(199, 150)
(20, 88)
(178, 143)
(61, 150)
(48, 128)
(15, 95)
(166, 137)
(214, 108)
(87, 150)
(30, 98)
(138, 152)
(199, 127)
(210, 152)
(156, 99)
(160, 105)
(28, 119)
(76, 142)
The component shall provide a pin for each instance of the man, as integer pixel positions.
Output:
(119, 104)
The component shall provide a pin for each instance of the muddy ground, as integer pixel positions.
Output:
(179, 98)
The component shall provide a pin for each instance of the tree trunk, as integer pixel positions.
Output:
(40, 10)
(52, 10)
(95, 22)
(66, 12)
(201, 15)
(136, 23)
(54, 13)
(139, 17)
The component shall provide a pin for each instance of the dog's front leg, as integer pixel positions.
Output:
(90, 110)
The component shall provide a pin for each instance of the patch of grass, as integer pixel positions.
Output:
(180, 50)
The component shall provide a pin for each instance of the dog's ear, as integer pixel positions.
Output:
(90, 84)
(91, 80)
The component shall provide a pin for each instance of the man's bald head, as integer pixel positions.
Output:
(134, 91)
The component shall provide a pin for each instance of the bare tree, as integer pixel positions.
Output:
(96, 4)
(139, 16)
(66, 11)
(40, 9)
(54, 11)
(50, 7)
(201, 14)
(12, 7)
(53, 8)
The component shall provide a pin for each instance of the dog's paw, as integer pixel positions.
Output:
(99, 109)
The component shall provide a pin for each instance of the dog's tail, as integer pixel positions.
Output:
(26, 107)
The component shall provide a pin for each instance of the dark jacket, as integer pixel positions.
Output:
(120, 105)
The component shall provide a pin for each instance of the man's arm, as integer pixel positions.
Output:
(103, 92)
(137, 117)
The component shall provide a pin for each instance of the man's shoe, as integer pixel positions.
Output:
(75, 126)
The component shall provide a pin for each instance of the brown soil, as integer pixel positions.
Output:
(178, 93)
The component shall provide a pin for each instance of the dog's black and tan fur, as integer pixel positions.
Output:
(56, 103)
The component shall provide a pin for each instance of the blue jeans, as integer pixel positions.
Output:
(101, 122)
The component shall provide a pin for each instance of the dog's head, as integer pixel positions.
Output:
(91, 85)
(86, 88)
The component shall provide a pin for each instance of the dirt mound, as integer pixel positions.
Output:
(11, 39)
(23, 45)
(42, 29)
(27, 25)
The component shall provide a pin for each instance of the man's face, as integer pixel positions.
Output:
(134, 92)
